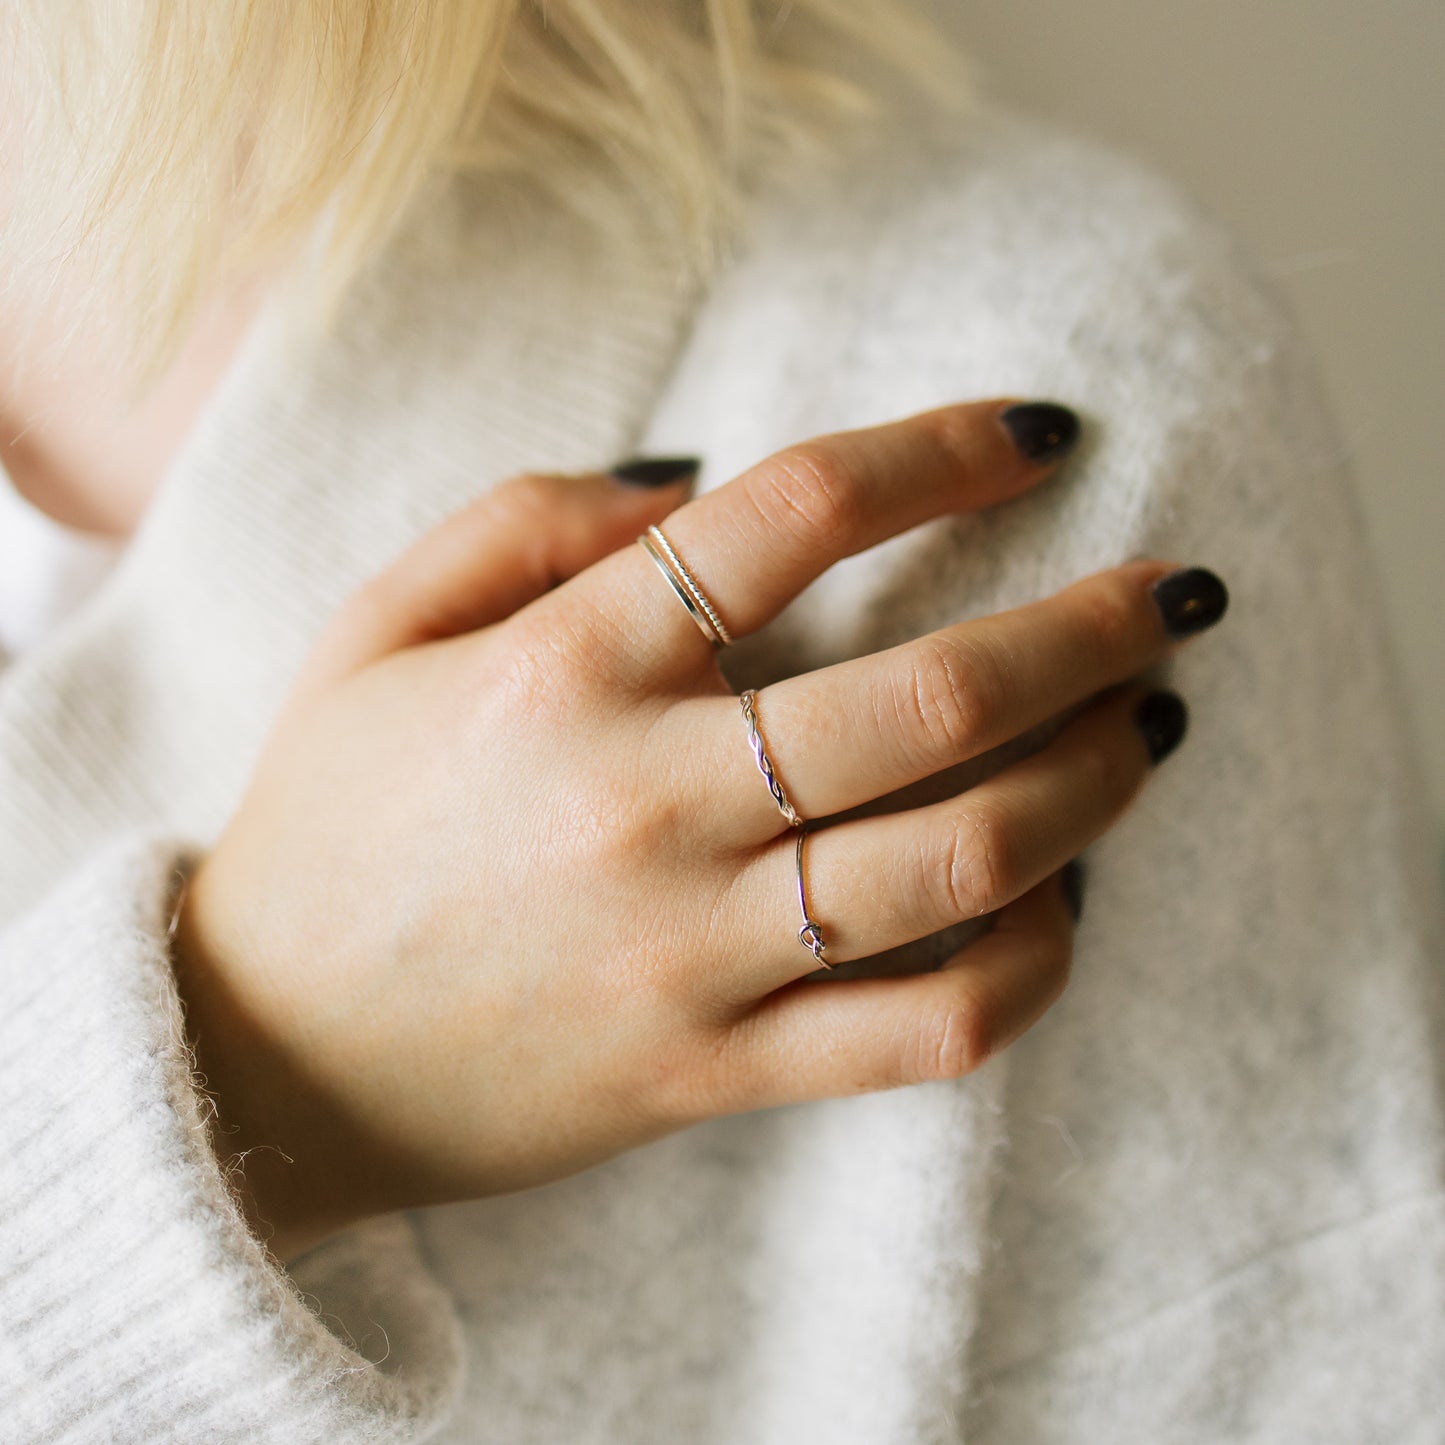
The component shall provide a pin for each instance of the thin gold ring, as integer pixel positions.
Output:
(698, 605)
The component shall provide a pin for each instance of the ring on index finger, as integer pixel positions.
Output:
(685, 585)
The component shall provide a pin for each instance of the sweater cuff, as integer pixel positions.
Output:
(135, 1304)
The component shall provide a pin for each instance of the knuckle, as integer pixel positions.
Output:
(953, 1039)
(810, 492)
(978, 872)
(963, 435)
(559, 649)
(594, 827)
(949, 699)
(526, 507)
(528, 492)
(1104, 770)
(1109, 621)
(532, 672)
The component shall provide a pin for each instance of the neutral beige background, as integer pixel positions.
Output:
(1315, 128)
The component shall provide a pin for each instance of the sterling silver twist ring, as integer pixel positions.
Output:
(765, 764)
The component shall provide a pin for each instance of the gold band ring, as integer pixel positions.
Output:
(685, 585)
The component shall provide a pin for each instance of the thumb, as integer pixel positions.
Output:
(494, 556)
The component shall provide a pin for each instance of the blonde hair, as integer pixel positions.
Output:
(163, 148)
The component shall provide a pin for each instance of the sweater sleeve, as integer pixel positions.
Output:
(1220, 1208)
(134, 1303)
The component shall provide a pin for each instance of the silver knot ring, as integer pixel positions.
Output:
(765, 763)
(810, 935)
(685, 585)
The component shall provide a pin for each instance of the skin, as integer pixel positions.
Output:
(76, 440)
(507, 896)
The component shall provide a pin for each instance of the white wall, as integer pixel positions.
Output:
(1316, 130)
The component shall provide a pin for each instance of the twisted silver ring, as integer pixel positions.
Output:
(765, 763)
(685, 585)
(810, 935)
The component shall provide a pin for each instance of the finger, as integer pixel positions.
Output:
(822, 1040)
(845, 735)
(755, 543)
(879, 882)
(490, 559)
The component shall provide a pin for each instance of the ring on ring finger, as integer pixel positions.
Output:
(810, 935)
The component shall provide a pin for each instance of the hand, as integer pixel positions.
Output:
(508, 895)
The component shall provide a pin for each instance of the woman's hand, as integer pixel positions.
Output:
(508, 895)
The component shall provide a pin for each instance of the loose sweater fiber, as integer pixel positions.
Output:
(1202, 1200)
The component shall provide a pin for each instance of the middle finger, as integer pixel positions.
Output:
(845, 735)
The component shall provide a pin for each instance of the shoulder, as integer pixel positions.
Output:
(928, 260)
(999, 201)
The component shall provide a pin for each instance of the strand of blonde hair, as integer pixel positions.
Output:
(160, 149)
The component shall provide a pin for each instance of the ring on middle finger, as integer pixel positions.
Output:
(749, 699)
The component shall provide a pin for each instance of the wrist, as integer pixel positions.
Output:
(240, 1065)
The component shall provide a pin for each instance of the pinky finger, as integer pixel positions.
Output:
(825, 1040)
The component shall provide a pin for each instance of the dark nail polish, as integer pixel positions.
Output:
(1042, 430)
(656, 471)
(1190, 600)
(1162, 718)
(1071, 880)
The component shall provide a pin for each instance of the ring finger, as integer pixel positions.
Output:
(876, 883)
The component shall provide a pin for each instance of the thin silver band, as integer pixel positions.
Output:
(683, 595)
(765, 763)
(690, 582)
(810, 935)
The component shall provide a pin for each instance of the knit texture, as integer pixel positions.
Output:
(1203, 1199)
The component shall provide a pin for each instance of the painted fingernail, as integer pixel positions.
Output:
(1162, 718)
(655, 471)
(1071, 880)
(1190, 600)
(1042, 430)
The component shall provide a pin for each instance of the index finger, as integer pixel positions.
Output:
(753, 544)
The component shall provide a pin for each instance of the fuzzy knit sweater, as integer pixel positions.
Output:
(1202, 1200)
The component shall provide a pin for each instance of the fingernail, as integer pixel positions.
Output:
(1071, 880)
(655, 471)
(1162, 718)
(1041, 430)
(1190, 600)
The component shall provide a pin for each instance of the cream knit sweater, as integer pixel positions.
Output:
(1201, 1201)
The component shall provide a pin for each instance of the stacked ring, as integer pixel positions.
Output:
(685, 585)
